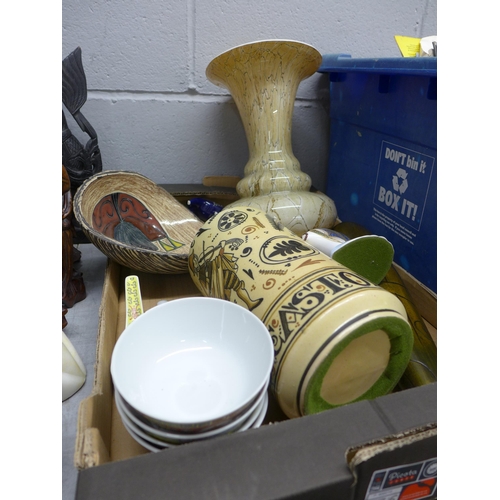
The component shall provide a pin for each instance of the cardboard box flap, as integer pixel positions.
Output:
(94, 412)
(424, 298)
(299, 458)
(94, 450)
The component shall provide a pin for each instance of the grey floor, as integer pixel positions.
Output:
(82, 332)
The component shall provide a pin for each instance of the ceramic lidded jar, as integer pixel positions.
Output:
(337, 337)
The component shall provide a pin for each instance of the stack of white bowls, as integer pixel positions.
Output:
(191, 369)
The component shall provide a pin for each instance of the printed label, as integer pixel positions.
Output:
(401, 189)
(416, 481)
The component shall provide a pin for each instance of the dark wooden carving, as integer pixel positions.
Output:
(80, 161)
(73, 287)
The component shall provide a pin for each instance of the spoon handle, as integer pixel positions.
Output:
(133, 299)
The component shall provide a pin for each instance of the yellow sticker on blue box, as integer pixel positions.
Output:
(408, 46)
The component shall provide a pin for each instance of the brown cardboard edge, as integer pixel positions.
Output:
(361, 453)
(221, 180)
(94, 412)
(423, 297)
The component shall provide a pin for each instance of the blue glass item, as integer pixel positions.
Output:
(202, 208)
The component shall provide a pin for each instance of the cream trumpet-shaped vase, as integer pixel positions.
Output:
(73, 369)
(263, 78)
(337, 337)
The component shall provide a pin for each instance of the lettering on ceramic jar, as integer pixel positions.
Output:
(344, 280)
(292, 314)
(311, 299)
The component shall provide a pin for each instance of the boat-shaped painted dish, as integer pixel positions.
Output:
(135, 222)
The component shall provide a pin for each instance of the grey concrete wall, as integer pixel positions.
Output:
(151, 104)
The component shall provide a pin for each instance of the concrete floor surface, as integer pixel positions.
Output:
(81, 330)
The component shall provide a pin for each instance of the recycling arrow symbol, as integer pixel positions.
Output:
(398, 186)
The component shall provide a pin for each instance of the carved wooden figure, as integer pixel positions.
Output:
(73, 287)
(81, 161)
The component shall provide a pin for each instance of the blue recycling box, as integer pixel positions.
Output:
(382, 157)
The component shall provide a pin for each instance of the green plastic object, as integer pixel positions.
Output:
(370, 256)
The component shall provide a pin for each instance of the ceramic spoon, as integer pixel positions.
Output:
(133, 299)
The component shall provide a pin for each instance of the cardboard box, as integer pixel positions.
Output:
(383, 153)
(339, 453)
